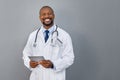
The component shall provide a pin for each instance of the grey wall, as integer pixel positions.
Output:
(94, 26)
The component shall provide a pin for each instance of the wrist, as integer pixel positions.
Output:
(52, 66)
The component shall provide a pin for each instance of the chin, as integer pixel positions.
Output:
(48, 24)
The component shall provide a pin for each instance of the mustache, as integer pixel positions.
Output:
(48, 24)
(47, 18)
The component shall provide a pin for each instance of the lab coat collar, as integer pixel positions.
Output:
(50, 30)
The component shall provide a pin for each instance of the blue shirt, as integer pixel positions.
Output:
(51, 29)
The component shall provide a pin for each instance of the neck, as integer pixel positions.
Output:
(47, 27)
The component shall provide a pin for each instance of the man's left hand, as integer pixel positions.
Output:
(46, 63)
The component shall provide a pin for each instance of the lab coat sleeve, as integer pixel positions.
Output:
(67, 57)
(26, 52)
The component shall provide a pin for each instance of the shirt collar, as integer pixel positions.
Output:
(51, 29)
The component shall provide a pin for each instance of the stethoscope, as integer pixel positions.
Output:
(54, 38)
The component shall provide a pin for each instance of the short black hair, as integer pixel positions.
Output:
(46, 7)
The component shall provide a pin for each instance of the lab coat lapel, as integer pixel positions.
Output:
(43, 40)
(42, 37)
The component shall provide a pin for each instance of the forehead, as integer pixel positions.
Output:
(46, 9)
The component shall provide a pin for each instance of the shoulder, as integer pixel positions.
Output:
(63, 33)
(64, 36)
(33, 34)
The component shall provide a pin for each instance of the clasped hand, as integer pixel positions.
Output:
(44, 63)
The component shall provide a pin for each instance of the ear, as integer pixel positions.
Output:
(54, 16)
(39, 18)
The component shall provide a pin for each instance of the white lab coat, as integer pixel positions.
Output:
(61, 56)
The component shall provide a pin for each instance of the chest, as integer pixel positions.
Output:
(46, 49)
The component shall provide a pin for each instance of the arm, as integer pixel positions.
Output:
(27, 52)
(67, 58)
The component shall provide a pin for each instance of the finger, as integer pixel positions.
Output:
(44, 61)
(40, 62)
(46, 65)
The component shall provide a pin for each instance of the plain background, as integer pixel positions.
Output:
(94, 26)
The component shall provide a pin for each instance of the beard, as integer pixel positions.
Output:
(49, 24)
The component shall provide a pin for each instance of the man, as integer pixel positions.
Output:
(57, 51)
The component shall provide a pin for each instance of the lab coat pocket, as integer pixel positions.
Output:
(56, 52)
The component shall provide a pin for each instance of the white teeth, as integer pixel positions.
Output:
(47, 19)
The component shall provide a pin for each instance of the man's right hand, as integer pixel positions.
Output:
(33, 64)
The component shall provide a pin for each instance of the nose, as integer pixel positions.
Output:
(46, 16)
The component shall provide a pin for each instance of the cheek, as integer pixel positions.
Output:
(52, 17)
(41, 19)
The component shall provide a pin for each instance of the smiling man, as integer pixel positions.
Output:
(47, 16)
(52, 43)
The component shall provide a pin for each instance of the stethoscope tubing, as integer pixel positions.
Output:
(34, 45)
(36, 36)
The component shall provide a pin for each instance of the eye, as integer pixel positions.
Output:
(43, 14)
(50, 13)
